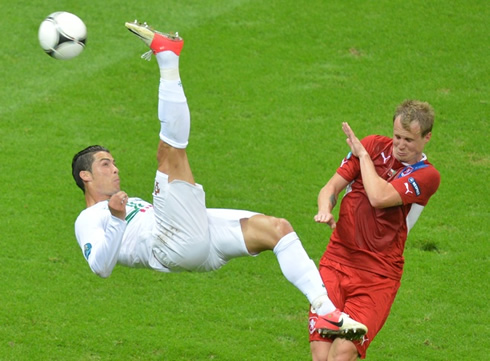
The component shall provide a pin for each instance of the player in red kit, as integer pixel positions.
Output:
(387, 182)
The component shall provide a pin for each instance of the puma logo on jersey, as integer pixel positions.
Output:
(346, 159)
(385, 159)
(408, 191)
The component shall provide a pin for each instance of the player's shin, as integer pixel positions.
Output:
(301, 271)
(173, 110)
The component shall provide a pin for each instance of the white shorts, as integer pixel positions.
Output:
(189, 237)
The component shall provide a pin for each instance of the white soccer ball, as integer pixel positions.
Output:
(62, 35)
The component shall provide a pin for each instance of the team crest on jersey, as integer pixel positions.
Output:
(87, 248)
(137, 207)
(414, 185)
(312, 324)
(406, 171)
(412, 168)
(157, 188)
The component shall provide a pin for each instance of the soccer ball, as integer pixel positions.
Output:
(62, 35)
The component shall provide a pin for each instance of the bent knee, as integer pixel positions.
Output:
(264, 232)
(278, 228)
(282, 226)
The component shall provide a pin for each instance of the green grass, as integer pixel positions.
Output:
(269, 84)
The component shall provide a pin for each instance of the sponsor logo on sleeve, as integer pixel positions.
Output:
(87, 248)
(346, 159)
(414, 185)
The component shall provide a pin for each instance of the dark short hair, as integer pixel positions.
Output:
(83, 160)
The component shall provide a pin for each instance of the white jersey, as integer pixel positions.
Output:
(106, 240)
(139, 242)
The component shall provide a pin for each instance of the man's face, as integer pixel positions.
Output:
(408, 145)
(104, 178)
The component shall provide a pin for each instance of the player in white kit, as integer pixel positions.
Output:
(177, 232)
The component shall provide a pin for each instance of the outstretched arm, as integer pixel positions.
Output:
(381, 194)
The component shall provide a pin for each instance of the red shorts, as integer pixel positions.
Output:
(366, 297)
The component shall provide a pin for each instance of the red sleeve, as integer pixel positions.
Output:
(419, 186)
(350, 167)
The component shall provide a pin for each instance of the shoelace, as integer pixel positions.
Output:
(147, 55)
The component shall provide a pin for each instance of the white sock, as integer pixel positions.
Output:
(322, 305)
(173, 110)
(301, 271)
(167, 60)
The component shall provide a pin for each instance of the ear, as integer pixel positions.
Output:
(85, 175)
(428, 136)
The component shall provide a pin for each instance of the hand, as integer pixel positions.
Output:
(325, 218)
(117, 204)
(355, 145)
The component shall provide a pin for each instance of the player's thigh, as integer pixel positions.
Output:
(320, 349)
(179, 205)
(226, 236)
(181, 224)
(343, 350)
(369, 299)
(174, 163)
(262, 232)
(333, 278)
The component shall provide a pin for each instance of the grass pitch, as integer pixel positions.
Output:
(269, 84)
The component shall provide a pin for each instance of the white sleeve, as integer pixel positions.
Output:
(100, 235)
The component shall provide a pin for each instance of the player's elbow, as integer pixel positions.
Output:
(376, 202)
(102, 272)
(384, 202)
(384, 196)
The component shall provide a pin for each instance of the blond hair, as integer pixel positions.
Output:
(415, 111)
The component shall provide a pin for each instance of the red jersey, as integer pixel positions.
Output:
(373, 239)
